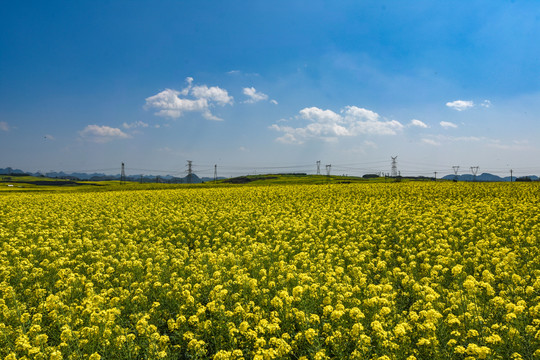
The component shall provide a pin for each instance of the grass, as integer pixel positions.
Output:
(33, 183)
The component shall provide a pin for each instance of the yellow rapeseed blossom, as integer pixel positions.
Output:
(384, 271)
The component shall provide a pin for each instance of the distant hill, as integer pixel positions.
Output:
(10, 171)
(487, 177)
(104, 177)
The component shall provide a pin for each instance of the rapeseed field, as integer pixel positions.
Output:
(345, 271)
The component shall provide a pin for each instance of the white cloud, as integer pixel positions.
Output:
(274, 102)
(486, 103)
(430, 142)
(440, 139)
(447, 124)
(102, 134)
(4, 126)
(170, 104)
(418, 123)
(213, 93)
(329, 126)
(135, 124)
(49, 137)
(460, 105)
(516, 145)
(254, 95)
(362, 148)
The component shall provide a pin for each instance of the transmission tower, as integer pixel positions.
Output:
(189, 171)
(394, 172)
(318, 167)
(474, 170)
(215, 172)
(456, 169)
(328, 168)
(123, 175)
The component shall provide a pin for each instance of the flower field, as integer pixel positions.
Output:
(359, 271)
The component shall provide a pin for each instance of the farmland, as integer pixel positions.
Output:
(362, 271)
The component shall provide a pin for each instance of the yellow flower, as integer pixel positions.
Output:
(56, 355)
(95, 356)
(456, 270)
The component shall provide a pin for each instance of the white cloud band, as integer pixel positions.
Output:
(460, 105)
(254, 95)
(173, 104)
(448, 125)
(418, 123)
(102, 134)
(328, 125)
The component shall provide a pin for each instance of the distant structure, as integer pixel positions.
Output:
(318, 167)
(189, 171)
(328, 168)
(474, 170)
(123, 175)
(215, 172)
(394, 172)
(456, 169)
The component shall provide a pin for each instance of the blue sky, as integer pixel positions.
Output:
(258, 87)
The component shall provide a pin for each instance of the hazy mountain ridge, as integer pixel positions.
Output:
(487, 177)
(484, 177)
(104, 177)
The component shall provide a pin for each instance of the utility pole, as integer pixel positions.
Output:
(215, 172)
(141, 179)
(318, 167)
(511, 175)
(190, 173)
(328, 168)
(474, 170)
(122, 175)
(394, 172)
(435, 175)
(456, 169)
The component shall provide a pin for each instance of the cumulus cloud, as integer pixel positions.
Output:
(134, 125)
(328, 125)
(460, 105)
(254, 95)
(102, 134)
(448, 125)
(4, 126)
(173, 103)
(418, 123)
